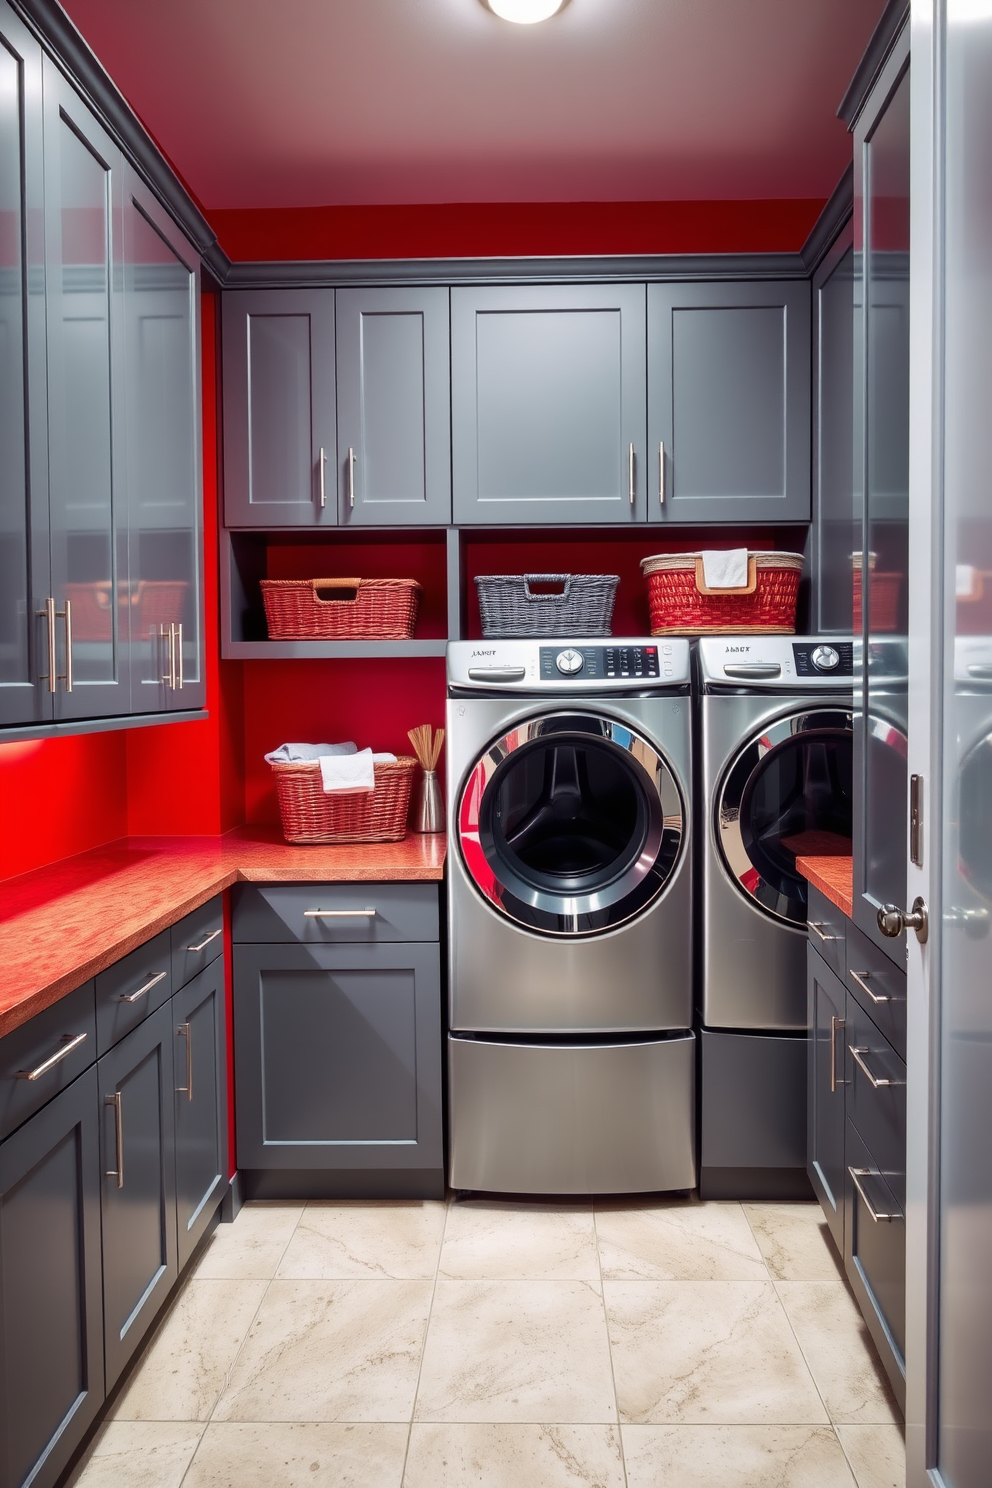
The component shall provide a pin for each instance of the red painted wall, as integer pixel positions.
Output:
(496, 229)
(59, 797)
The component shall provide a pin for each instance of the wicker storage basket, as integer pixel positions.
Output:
(680, 603)
(509, 607)
(340, 609)
(311, 815)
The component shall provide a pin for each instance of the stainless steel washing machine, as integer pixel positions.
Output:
(571, 1051)
(776, 778)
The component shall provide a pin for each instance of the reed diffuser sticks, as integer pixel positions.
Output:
(426, 744)
(427, 807)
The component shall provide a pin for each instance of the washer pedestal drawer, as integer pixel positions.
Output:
(572, 1118)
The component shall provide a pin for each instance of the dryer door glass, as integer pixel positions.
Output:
(788, 792)
(571, 824)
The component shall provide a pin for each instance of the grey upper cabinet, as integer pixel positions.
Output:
(24, 557)
(837, 522)
(279, 414)
(548, 404)
(84, 202)
(164, 465)
(51, 1339)
(728, 402)
(393, 407)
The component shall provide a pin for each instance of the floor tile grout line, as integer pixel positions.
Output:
(802, 1351)
(609, 1344)
(747, 1221)
(423, 1347)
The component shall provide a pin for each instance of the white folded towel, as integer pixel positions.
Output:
(351, 772)
(725, 568)
(291, 754)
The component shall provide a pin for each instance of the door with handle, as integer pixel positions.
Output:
(200, 1070)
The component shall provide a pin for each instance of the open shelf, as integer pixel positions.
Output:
(329, 650)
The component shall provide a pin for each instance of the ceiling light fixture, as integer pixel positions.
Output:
(524, 12)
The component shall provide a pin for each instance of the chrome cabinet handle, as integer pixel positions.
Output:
(661, 472)
(152, 981)
(339, 914)
(66, 615)
(169, 636)
(179, 654)
(69, 1042)
(630, 472)
(877, 1082)
(204, 943)
(49, 615)
(321, 466)
(861, 978)
(116, 1101)
(351, 477)
(818, 930)
(497, 674)
(877, 1216)
(187, 1089)
(835, 1023)
(892, 920)
(753, 669)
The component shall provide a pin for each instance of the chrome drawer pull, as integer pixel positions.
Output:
(857, 1174)
(861, 977)
(497, 674)
(339, 914)
(835, 1023)
(187, 1089)
(69, 1042)
(877, 1082)
(752, 669)
(204, 943)
(116, 1100)
(152, 981)
(818, 930)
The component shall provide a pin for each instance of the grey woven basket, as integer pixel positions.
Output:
(509, 607)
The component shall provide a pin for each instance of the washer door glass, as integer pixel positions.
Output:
(571, 824)
(788, 792)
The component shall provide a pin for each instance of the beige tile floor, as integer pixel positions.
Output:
(429, 1345)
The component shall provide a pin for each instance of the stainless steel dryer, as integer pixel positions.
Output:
(776, 777)
(571, 1053)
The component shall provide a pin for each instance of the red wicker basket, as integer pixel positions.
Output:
(680, 603)
(340, 609)
(883, 600)
(311, 815)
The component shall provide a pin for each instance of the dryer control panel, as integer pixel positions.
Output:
(606, 661)
(565, 666)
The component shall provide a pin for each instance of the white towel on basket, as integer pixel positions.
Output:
(351, 772)
(725, 568)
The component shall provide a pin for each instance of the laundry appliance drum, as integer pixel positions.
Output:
(789, 789)
(570, 824)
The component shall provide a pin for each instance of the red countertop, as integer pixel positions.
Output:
(833, 876)
(61, 925)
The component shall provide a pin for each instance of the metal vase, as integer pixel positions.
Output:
(427, 806)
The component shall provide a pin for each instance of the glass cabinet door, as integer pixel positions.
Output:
(880, 582)
(83, 171)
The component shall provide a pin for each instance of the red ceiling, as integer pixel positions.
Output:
(329, 102)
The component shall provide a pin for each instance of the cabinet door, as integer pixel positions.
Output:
(200, 1066)
(139, 1185)
(51, 1336)
(279, 451)
(837, 523)
(83, 220)
(24, 557)
(164, 518)
(826, 1001)
(728, 402)
(338, 1053)
(394, 409)
(548, 404)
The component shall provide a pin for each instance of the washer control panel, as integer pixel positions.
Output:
(824, 659)
(596, 662)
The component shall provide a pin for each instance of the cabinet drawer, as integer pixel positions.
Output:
(875, 1257)
(131, 989)
(877, 1110)
(329, 914)
(828, 928)
(197, 940)
(878, 986)
(56, 1046)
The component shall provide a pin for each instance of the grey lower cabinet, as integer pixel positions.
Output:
(51, 1299)
(99, 418)
(200, 1100)
(548, 404)
(338, 1041)
(857, 1122)
(728, 402)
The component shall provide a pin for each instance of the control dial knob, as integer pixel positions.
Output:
(825, 658)
(569, 662)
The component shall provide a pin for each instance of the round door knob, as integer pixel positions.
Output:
(569, 662)
(825, 658)
(892, 920)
